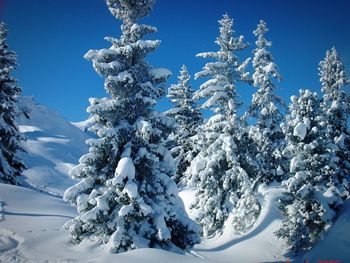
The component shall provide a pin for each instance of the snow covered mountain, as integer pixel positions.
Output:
(32, 215)
(53, 147)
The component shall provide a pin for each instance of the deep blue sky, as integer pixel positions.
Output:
(51, 37)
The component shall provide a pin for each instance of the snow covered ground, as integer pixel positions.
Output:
(31, 217)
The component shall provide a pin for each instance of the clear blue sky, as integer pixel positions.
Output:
(51, 37)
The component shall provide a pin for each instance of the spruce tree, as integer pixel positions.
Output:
(188, 119)
(310, 200)
(11, 164)
(266, 134)
(336, 107)
(216, 170)
(126, 198)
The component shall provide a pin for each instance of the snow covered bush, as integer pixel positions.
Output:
(266, 134)
(216, 170)
(188, 118)
(311, 195)
(11, 164)
(126, 198)
(336, 107)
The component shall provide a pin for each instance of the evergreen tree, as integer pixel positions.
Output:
(11, 164)
(247, 209)
(126, 198)
(311, 200)
(336, 107)
(266, 133)
(216, 170)
(188, 119)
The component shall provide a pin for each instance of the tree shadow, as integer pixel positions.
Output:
(36, 215)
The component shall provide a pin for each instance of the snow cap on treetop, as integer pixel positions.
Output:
(130, 10)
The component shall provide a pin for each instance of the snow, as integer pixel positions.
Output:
(199, 165)
(32, 227)
(125, 169)
(72, 191)
(307, 122)
(126, 209)
(300, 130)
(340, 140)
(54, 146)
(122, 77)
(270, 68)
(303, 191)
(279, 171)
(295, 163)
(330, 196)
(144, 126)
(131, 190)
(160, 73)
(32, 231)
(335, 246)
(257, 245)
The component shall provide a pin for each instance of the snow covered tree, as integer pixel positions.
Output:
(126, 198)
(266, 134)
(336, 107)
(311, 199)
(11, 164)
(216, 170)
(248, 208)
(188, 118)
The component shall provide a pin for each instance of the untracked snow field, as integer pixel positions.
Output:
(32, 215)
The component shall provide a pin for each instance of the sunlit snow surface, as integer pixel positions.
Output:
(31, 222)
(53, 145)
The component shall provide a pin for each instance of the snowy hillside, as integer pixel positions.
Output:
(31, 220)
(53, 145)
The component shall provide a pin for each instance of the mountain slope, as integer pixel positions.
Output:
(53, 147)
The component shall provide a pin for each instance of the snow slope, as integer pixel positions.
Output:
(53, 146)
(31, 220)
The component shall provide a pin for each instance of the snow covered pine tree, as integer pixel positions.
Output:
(266, 133)
(11, 139)
(126, 198)
(311, 199)
(188, 118)
(216, 170)
(336, 107)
